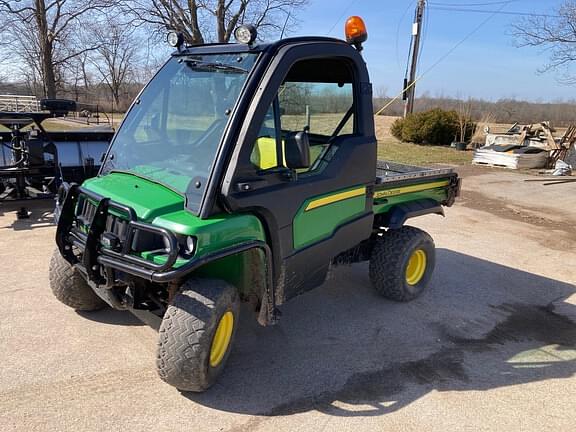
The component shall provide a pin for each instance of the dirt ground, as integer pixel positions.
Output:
(491, 346)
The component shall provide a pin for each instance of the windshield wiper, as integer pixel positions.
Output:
(198, 64)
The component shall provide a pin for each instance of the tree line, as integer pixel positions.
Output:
(102, 51)
(91, 50)
(502, 111)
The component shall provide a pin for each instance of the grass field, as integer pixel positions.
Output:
(393, 150)
(65, 125)
(389, 148)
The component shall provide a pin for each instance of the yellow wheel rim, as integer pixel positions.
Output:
(221, 339)
(416, 267)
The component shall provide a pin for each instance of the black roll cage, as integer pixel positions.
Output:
(234, 133)
(258, 86)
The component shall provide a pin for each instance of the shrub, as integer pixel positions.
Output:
(436, 127)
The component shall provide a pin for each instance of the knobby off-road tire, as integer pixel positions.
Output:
(391, 269)
(188, 330)
(70, 287)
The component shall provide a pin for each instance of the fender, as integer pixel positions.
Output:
(399, 214)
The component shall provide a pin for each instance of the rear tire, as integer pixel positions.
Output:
(402, 263)
(197, 333)
(69, 286)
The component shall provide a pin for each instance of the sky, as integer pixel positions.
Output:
(487, 65)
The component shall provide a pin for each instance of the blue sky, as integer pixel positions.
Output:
(487, 65)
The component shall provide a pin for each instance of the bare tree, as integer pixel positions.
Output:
(215, 20)
(115, 57)
(79, 75)
(554, 33)
(42, 33)
(464, 111)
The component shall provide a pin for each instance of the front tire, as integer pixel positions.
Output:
(402, 263)
(196, 334)
(69, 286)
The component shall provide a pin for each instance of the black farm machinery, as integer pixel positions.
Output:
(33, 161)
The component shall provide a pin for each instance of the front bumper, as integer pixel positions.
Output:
(106, 234)
(86, 218)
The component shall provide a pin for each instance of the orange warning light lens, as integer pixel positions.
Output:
(356, 32)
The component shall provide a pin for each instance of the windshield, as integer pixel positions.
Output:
(172, 132)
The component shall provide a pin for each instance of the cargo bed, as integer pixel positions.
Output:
(392, 172)
(398, 184)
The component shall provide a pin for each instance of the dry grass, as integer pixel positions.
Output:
(393, 150)
(66, 125)
(389, 148)
(382, 124)
(486, 121)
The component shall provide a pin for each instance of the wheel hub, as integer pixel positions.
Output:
(221, 339)
(416, 267)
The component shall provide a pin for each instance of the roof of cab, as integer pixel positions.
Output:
(236, 47)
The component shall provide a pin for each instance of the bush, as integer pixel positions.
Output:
(436, 127)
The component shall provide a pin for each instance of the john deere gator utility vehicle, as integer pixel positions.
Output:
(242, 172)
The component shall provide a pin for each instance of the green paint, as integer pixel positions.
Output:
(176, 181)
(160, 258)
(320, 223)
(148, 199)
(246, 271)
(385, 204)
(162, 207)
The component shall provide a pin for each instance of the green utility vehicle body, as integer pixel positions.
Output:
(399, 193)
(255, 165)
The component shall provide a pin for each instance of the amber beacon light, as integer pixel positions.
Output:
(356, 32)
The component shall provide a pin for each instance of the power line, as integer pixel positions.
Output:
(342, 15)
(410, 6)
(468, 36)
(497, 12)
(444, 57)
(417, 39)
(473, 4)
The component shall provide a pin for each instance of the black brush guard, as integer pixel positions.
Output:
(71, 217)
(97, 260)
(86, 222)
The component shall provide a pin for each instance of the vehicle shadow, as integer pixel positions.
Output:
(112, 317)
(344, 351)
(41, 214)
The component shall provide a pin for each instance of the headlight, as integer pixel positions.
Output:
(175, 39)
(190, 245)
(245, 34)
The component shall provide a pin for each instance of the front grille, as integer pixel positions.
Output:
(102, 232)
(85, 213)
(116, 226)
(142, 241)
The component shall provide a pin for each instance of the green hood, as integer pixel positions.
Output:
(162, 207)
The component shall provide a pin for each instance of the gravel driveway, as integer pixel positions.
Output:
(491, 345)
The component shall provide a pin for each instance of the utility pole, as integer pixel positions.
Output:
(410, 83)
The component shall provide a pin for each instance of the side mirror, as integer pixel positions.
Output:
(297, 150)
